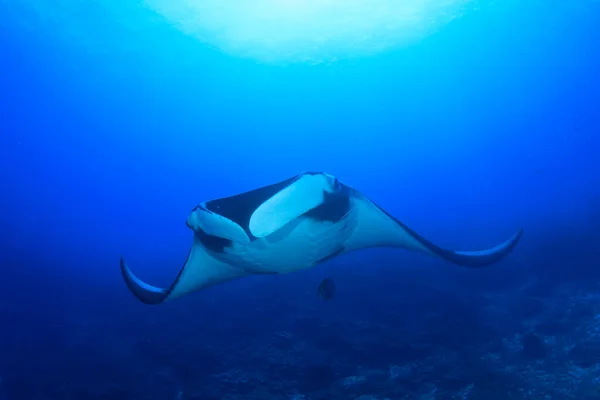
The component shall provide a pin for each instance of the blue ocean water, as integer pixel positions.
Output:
(118, 118)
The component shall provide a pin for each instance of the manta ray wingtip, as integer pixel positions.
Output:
(147, 294)
(484, 258)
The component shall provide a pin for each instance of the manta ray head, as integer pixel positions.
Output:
(332, 184)
(258, 213)
(205, 222)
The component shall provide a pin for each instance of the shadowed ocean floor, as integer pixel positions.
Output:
(390, 333)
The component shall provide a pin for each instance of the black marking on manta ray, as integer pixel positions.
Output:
(330, 256)
(311, 173)
(333, 208)
(239, 208)
(450, 255)
(213, 243)
(250, 270)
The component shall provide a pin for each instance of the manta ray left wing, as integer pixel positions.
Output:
(199, 271)
(375, 227)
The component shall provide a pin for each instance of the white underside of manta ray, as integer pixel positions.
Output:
(289, 226)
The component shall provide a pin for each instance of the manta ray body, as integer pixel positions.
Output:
(288, 226)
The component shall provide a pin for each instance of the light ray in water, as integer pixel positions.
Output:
(308, 30)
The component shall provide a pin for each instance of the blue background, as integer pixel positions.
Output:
(111, 132)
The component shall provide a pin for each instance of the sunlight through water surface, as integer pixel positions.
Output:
(308, 30)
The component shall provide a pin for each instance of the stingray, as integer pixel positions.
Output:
(288, 226)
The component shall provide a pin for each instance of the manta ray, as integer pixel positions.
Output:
(289, 226)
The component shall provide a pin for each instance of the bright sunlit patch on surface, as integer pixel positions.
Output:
(308, 30)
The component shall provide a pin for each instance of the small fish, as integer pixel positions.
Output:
(326, 289)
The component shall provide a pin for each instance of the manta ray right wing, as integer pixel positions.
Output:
(377, 228)
(199, 271)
